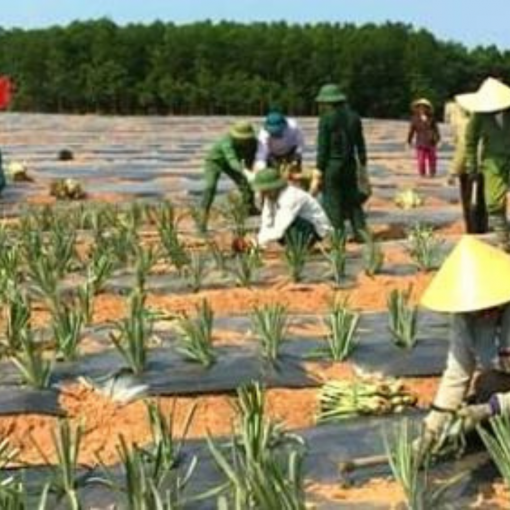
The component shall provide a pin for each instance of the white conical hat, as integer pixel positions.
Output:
(492, 96)
(476, 276)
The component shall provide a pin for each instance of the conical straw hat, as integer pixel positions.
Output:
(492, 96)
(476, 276)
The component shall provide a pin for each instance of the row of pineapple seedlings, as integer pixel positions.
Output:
(49, 257)
(262, 465)
(133, 335)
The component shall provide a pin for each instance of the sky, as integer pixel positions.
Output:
(471, 22)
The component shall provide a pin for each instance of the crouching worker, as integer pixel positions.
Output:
(472, 286)
(288, 211)
(234, 156)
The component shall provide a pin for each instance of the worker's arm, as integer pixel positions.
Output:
(472, 139)
(273, 227)
(262, 151)
(460, 366)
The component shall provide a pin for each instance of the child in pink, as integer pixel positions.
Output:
(424, 132)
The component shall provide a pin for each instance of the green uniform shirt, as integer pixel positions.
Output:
(232, 154)
(495, 138)
(340, 138)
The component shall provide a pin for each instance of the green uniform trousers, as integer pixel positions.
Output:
(213, 172)
(341, 198)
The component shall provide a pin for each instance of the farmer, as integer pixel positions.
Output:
(471, 185)
(233, 155)
(488, 149)
(280, 142)
(288, 211)
(472, 286)
(341, 162)
(424, 135)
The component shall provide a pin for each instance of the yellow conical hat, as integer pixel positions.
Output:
(476, 276)
(492, 96)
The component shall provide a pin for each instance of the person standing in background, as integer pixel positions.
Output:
(424, 136)
(488, 149)
(341, 162)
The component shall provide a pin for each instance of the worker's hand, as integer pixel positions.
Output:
(424, 445)
(473, 415)
(249, 174)
(316, 183)
(364, 186)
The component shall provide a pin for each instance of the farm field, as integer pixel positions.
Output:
(117, 313)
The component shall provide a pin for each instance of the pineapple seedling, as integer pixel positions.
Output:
(270, 325)
(101, 267)
(35, 371)
(67, 322)
(342, 325)
(195, 335)
(402, 318)
(373, 256)
(337, 255)
(236, 212)
(195, 271)
(18, 314)
(245, 266)
(297, 253)
(173, 246)
(145, 261)
(133, 333)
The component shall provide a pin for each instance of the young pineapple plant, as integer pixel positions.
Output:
(270, 325)
(264, 468)
(101, 267)
(403, 318)
(17, 318)
(67, 323)
(337, 255)
(123, 241)
(85, 301)
(34, 369)
(245, 266)
(424, 247)
(342, 325)
(133, 333)
(174, 248)
(497, 442)
(411, 470)
(10, 262)
(67, 480)
(144, 262)
(196, 271)
(218, 255)
(236, 211)
(297, 253)
(62, 248)
(373, 256)
(44, 276)
(195, 335)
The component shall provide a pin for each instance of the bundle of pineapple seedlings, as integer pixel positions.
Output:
(340, 400)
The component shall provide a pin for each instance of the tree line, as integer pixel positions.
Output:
(231, 68)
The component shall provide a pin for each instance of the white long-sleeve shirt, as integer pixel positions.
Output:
(292, 138)
(277, 216)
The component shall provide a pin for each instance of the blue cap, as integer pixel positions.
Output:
(275, 123)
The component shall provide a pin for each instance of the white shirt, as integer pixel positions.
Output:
(270, 146)
(292, 202)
